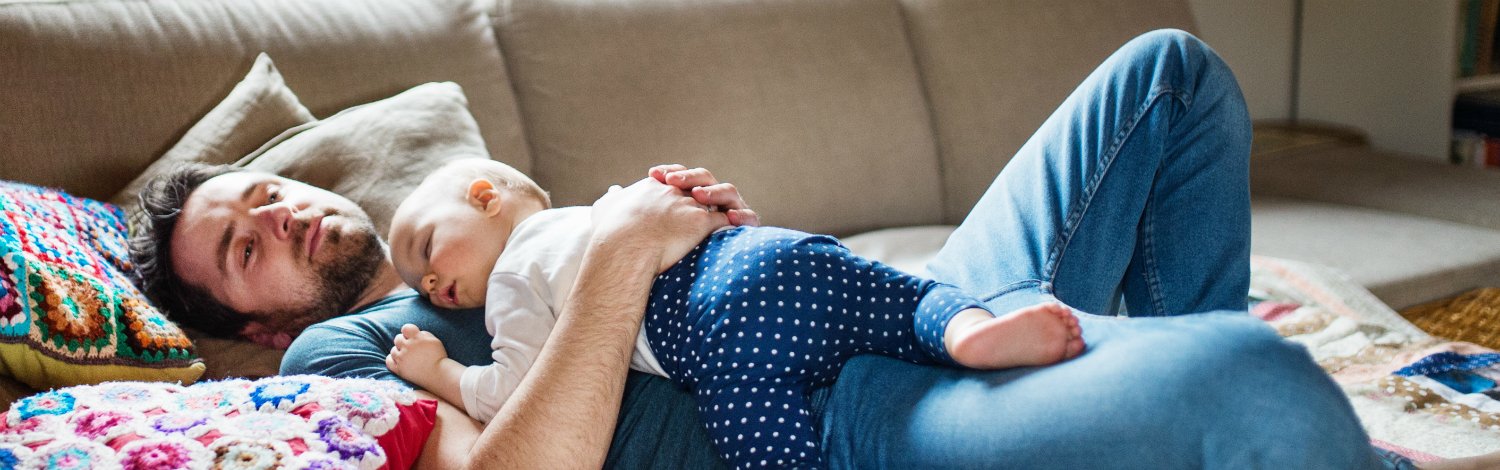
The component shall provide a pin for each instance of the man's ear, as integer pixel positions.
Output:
(483, 195)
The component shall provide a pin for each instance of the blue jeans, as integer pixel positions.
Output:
(1135, 188)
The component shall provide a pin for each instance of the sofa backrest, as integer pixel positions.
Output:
(831, 115)
(813, 108)
(994, 70)
(91, 92)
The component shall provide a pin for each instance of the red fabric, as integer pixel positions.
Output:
(1413, 454)
(1270, 310)
(404, 442)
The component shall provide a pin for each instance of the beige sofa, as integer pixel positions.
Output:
(838, 116)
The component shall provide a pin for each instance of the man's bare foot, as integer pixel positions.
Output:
(1031, 336)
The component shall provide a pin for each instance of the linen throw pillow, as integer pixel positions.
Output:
(258, 108)
(374, 154)
(68, 313)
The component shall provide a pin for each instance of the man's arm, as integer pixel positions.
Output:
(563, 413)
(452, 437)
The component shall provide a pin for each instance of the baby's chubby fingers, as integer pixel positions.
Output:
(409, 330)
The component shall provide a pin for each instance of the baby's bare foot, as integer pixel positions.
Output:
(1031, 336)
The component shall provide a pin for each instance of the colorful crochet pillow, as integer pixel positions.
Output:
(68, 314)
(278, 422)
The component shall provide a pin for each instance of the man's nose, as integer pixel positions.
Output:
(276, 219)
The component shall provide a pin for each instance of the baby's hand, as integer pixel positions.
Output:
(416, 356)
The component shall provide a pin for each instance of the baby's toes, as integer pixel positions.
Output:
(1074, 348)
(1061, 310)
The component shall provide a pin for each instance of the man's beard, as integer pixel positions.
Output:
(338, 284)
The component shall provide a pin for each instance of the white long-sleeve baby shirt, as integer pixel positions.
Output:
(528, 286)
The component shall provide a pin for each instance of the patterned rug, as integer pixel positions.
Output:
(1473, 317)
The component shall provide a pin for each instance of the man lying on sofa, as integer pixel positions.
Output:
(242, 249)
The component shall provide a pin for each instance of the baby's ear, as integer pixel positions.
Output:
(483, 195)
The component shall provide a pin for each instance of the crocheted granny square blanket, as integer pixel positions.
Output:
(278, 422)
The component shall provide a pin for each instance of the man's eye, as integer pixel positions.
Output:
(249, 247)
(273, 197)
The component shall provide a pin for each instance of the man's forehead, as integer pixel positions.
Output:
(230, 186)
(226, 192)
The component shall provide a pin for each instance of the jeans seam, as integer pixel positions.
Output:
(1148, 258)
(1008, 288)
(1071, 223)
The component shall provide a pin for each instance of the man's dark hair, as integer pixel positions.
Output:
(151, 251)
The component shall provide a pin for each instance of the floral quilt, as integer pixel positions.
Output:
(1422, 396)
(303, 422)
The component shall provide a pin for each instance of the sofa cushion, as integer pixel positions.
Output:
(68, 312)
(257, 109)
(813, 108)
(107, 86)
(993, 70)
(1403, 259)
(905, 248)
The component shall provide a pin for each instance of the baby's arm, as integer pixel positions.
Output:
(419, 357)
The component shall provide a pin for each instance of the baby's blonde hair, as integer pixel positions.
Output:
(501, 175)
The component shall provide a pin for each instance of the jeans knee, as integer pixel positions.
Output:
(1273, 404)
(1197, 77)
(1172, 45)
(1243, 352)
(1181, 55)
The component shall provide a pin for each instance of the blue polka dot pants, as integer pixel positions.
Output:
(755, 317)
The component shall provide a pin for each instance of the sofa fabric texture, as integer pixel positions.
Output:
(1403, 259)
(109, 86)
(1383, 181)
(993, 71)
(800, 102)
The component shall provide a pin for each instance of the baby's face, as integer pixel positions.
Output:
(445, 246)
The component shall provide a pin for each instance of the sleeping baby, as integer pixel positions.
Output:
(749, 322)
